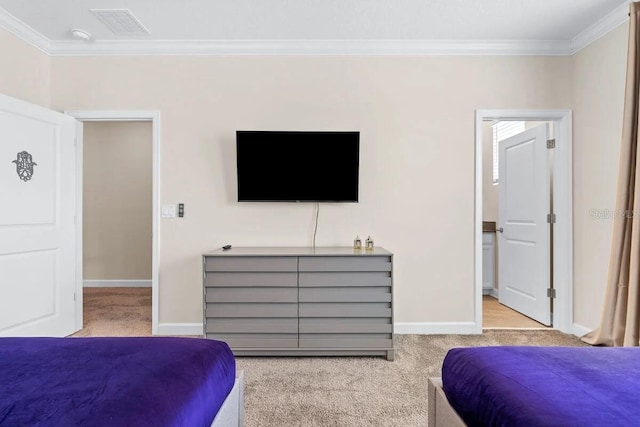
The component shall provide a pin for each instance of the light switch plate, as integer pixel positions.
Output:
(168, 211)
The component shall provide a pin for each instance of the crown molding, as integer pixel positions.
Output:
(316, 47)
(610, 21)
(23, 31)
(311, 47)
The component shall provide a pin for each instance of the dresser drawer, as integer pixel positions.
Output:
(355, 294)
(258, 295)
(341, 309)
(352, 279)
(355, 263)
(237, 341)
(251, 279)
(339, 325)
(353, 341)
(215, 310)
(252, 325)
(248, 263)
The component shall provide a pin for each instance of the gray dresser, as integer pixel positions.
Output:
(300, 301)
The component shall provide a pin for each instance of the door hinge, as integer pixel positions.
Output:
(551, 293)
(551, 218)
(551, 143)
(74, 296)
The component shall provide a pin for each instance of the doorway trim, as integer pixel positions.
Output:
(562, 203)
(128, 116)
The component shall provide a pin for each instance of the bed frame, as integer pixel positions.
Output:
(440, 412)
(231, 413)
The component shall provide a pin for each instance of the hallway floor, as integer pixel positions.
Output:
(498, 316)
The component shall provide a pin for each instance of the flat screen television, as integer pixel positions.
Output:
(297, 166)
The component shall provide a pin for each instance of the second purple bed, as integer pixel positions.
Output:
(542, 386)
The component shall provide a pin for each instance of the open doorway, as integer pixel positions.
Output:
(117, 228)
(503, 244)
(561, 246)
(139, 278)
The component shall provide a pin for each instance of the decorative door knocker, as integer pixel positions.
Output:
(24, 165)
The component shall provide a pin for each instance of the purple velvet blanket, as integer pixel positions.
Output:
(544, 386)
(132, 381)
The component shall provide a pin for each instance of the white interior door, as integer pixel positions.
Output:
(524, 245)
(38, 276)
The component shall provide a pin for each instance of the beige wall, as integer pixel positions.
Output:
(416, 118)
(598, 85)
(117, 200)
(24, 70)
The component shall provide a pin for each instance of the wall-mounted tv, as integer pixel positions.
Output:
(297, 166)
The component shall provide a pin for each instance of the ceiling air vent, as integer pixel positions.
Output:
(120, 21)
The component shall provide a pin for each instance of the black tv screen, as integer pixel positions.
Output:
(297, 166)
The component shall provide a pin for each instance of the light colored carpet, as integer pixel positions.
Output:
(363, 391)
(321, 391)
(116, 312)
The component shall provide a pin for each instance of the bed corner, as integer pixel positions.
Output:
(440, 413)
(231, 413)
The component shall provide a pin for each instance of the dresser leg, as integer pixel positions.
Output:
(391, 355)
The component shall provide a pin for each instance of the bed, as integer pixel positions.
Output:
(536, 386)
(119, 381)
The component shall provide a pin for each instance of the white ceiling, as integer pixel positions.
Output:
(558, 26)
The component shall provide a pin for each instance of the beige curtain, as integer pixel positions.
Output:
(620, 323)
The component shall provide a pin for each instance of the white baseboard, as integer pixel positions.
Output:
(116, 283)
(579, 330)
(180, 329)
(462, 328)
(491, 292)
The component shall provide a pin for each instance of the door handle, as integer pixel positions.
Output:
(501, 230)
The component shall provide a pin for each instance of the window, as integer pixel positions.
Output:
(503, 130)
